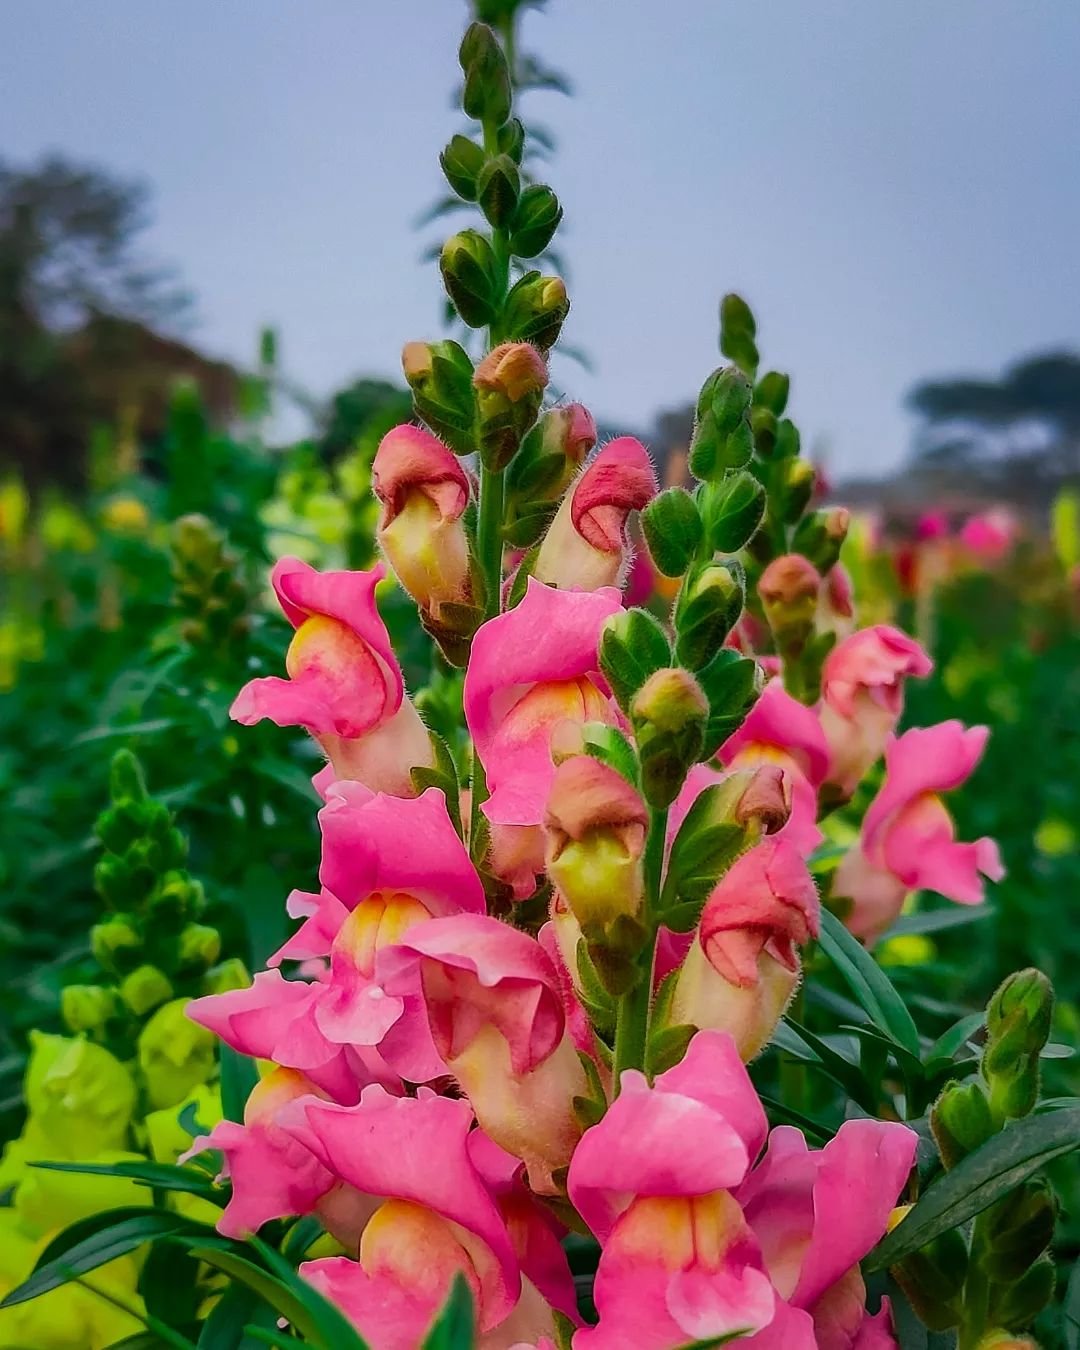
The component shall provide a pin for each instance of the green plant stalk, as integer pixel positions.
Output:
(976, 1298)
(635, 1006)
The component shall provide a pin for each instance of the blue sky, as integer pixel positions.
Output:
(893, 186)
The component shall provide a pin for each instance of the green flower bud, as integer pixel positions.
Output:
(199, 947)
(551, 453)
(497, 190)
(175, 1054)
(933, 1280)
(633, 646)
(144, 989)
(673, 530)
(737, 333)
(487, 94)
(535, 221)
(789, 589)
(733, 509)
(119, 826)
(707, 609)
(1018, 1021)
(1017, 1230)
(126, 781)
(462, 161)
(535, 311)
(961, 1121)
(440, 375)
(732, 683)
(471, 277)
(511, 140)
(510, 383)
(230, 974)
(820, 537)
(176, 899)
(117, 943)
(722, 438)
(669, 713)
(798, 488)
(771, 392)
(764, 427)
(87, 1007)
(1017, 1305)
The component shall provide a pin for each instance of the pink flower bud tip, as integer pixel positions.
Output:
(515, 369)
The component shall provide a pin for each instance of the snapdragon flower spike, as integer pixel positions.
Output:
(863, 696)
(743, 966)
(780, 730)
(531, 669)
(273, 1174)
(344, 684)
(587, 546)
(389, 865)
(437, 1218)
(908, 839)
(696, 1244)
(423, 491)
(497, 1016)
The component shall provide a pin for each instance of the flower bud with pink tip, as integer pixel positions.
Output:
(789, 589)
(587, 546)
(596, 825)
(863, 696)
(423, 491)
(344, 684)
(498, 1020)
(908, 839)
(743, 967)
(510, 383)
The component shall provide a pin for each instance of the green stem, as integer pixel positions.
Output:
(635, 1006)
(976, 1303)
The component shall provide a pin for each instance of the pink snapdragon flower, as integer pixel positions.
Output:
(497, 1016)
(437, 1218)
(698, 1243)
(423, 491)
(990, 535)
(344, 684)
(387, 866)
(743, 966)
(863, 696)
(908, 839)
(531, 669)
(273, 1174)
(780, 730)
(586, 546)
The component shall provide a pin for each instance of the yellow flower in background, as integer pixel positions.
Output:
(908, 949)
(78, 1095)
(62, 527)
(125, 515)
(175, 1055)
(14, 510)
(1055, 837)
(73, 1317)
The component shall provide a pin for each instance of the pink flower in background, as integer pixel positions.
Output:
(586, 546)
(780, 730)
(423, 491)
(990, 535)
(498, 1020)
(863, 696)
(697, 1243)
(743, 965)
(531, 669)
(932, 525)
(908, 838)
(344, 684)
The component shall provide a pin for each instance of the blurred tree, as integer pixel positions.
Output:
(363, 411)
(1018, 436)
(82, 313)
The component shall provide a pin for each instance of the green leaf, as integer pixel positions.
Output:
(937, 920)
(161, 1176)
(238, 1078)
(787, 1115)
(234, 1320)
(93, 1242)
(794, 1039)
(871, 986)
(455, 1326)
(1070, 1310)
(984, 1176)
(950, 1042)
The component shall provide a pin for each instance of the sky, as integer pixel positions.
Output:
(893, 186)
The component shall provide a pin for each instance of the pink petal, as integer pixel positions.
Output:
(777, 719)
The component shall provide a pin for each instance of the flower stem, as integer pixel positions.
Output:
(635, 1006)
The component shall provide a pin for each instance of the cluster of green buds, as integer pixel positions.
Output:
(208, 590)
(152, 949)
(994, 1281)
(753, 495)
